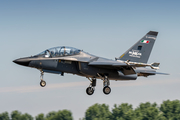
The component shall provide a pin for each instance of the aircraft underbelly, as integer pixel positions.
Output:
(113, 74)
(80, 68)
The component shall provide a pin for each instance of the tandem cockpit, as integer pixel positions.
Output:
(59, 52)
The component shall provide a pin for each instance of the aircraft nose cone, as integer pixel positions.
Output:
(22, 61)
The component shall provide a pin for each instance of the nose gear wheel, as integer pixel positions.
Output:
(43, 83)
(90, 90)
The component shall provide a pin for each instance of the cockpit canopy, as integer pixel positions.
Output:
(59, 52)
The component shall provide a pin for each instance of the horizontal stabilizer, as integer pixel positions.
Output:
(162, 73)
(142, 71)
(147, 73)
(153, 73)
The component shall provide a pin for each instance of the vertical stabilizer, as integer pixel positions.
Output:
(140, 51)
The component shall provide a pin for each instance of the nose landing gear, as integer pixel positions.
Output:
(42, 83)
(90, 90)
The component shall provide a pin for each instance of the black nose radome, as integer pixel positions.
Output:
(22, 61)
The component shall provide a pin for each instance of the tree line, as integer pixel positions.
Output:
(168, 110)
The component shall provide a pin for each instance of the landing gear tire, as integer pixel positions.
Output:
(106, 90)
(43, 83)
(90, 90)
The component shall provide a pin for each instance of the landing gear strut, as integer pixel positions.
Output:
(42, 83)
(106, 84)
(90, 90)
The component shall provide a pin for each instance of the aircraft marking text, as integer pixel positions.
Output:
(135, 53)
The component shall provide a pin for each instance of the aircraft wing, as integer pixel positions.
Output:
(147, 72)
(123, 67)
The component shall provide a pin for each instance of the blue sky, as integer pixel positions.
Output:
(104, 28)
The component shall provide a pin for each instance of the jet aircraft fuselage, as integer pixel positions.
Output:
(128, 66)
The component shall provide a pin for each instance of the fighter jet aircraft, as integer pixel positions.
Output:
(129, 66)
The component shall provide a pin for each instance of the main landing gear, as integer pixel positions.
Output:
(90, 90)
(42, 83)
(106, 84)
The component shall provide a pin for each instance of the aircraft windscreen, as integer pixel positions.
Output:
(59, 51)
